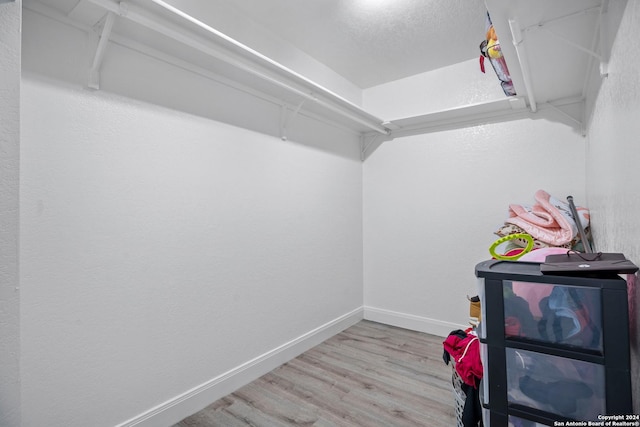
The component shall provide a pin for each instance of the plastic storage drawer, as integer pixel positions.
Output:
(553, 313)
(571, 389)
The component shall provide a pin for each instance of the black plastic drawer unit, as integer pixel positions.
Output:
(555, 349)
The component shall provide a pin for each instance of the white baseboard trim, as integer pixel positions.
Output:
(190, 402)
(410, 321)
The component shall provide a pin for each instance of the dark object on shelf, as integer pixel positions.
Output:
(576, 263)
(583, 235)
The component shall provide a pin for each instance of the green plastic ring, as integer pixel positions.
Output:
(494, 245)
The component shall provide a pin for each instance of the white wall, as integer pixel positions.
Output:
(10, 41)
(163, 254)
(613, 164)
(432, 203)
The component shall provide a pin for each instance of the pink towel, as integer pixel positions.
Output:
(548, 220)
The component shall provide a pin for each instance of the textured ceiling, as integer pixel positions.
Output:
(370, 42)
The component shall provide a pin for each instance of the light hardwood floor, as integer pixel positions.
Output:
(369, 375)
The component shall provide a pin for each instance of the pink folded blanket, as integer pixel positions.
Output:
(548, 220)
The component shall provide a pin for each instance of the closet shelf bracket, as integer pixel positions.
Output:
(602, 27)
(518, 43)
(600, 31)
(573, 44)
(369, 143)
(286, 117)
(94, 72)
(567, 111)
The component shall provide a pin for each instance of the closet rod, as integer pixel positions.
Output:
(141, 17)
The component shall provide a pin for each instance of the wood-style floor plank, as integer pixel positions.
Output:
(369, 375)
